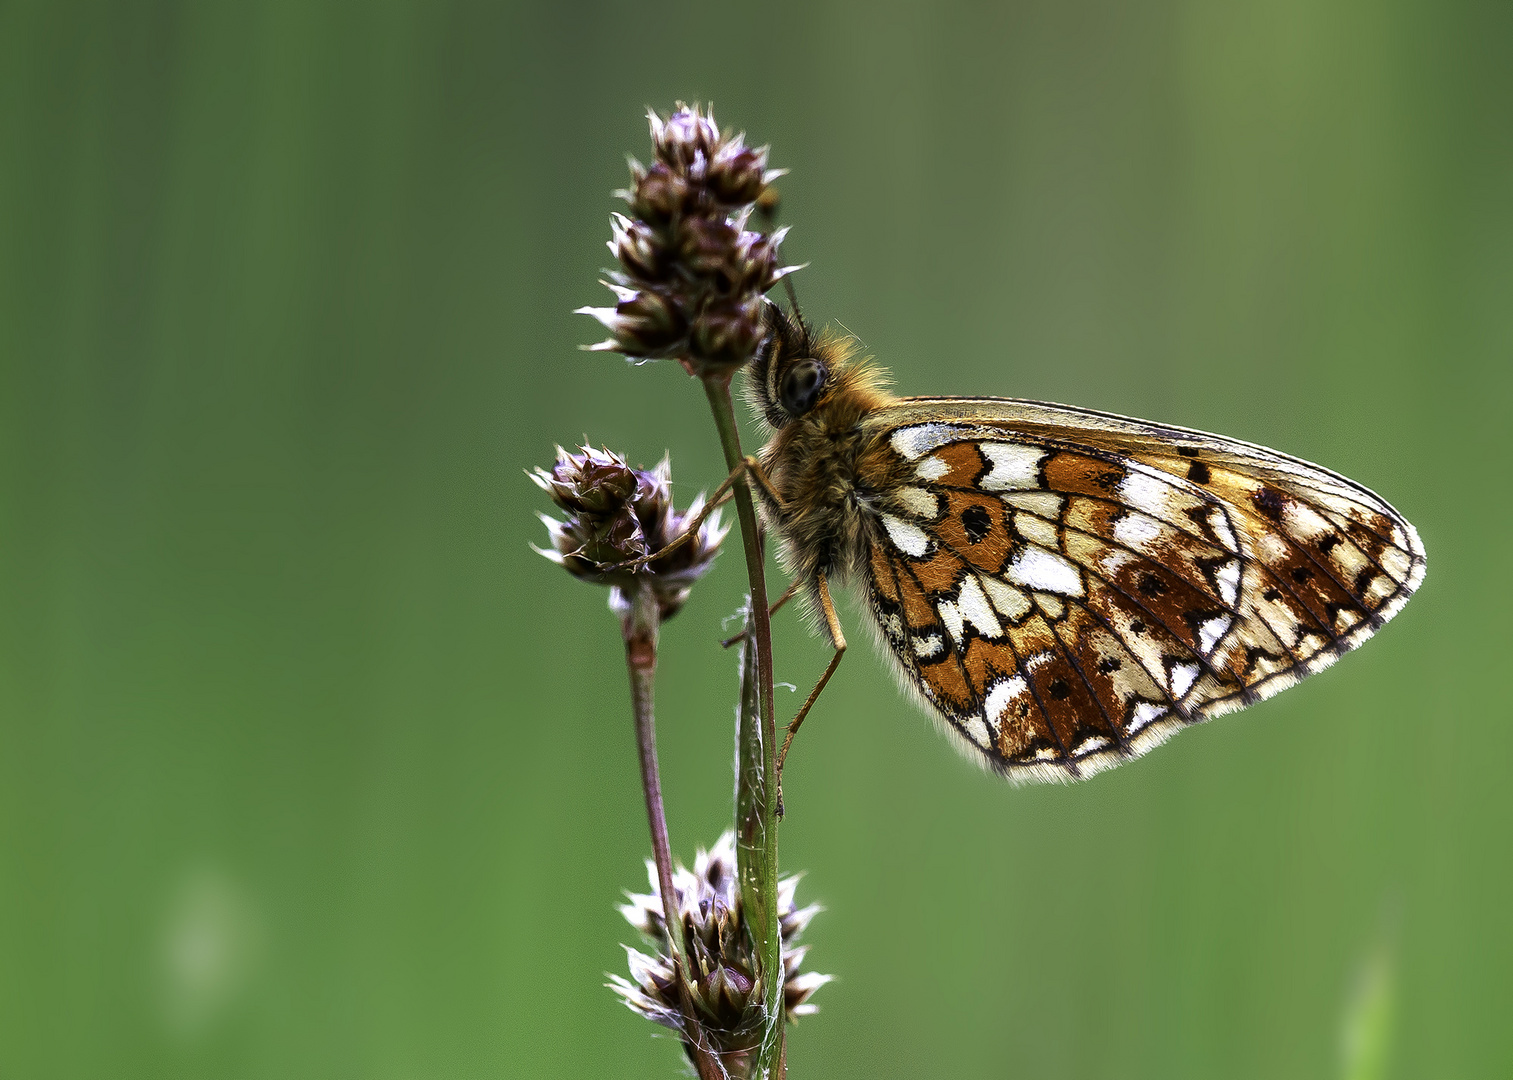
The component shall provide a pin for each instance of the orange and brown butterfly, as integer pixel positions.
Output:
(1064, 589)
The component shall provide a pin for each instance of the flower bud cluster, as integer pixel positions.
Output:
(616, 517)
(723, 979)
(692, 277)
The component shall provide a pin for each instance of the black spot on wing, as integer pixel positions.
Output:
(1268, 503)
(976, 523)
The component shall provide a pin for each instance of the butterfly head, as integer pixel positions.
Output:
(797, 372)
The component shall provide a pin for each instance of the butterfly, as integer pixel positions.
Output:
(1062, 589)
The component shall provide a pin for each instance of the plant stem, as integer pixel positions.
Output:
(756, 773)
(640, 628)
(751, 822)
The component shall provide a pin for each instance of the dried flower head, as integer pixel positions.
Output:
(616, 517)
(723, 981)
(692, 276)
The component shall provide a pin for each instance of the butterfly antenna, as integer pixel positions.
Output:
(767, 208)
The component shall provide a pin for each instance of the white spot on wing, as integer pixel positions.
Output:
(976, 731)
(1144, 492)
(1088, 745)
(1015, 465)
(1044, 571)
(1137, 531)
(975, 608)
(1112, 560)
(1211, 631)
(1051, 605)
(909, 538)
(1044, 503)
(932, 468)
(913, 442)
(1303, 520)
(1003, 694)
(1272, 547)
(1183, 677)
(1145, 714)
(1037, 530)
(1218, 520)
(1348, 558)
(926, 647)
(952, 618)
(1395, 562)
(1007, 599)
(919, 502)
(1228, 577)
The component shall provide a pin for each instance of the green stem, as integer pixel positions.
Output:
(640, 628)
(756, 773)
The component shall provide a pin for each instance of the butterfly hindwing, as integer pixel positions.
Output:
(1066, 588)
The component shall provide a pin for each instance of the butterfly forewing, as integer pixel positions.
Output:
(1067, 588)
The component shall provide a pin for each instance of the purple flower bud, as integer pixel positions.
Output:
(636, 245)
(735, 174)
(754, 262)
(704, 246)
(692, 275)
(595, 482)
(723, 980)
(727, 332)
(660, 196)
(684, 137)
(644, 325)
(617, 515)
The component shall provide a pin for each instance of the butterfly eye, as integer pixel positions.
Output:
(801, 385)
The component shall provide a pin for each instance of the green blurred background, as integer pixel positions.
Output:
(310, 768)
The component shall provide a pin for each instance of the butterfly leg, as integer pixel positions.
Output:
(754, 467)
(838, 639)
(722, 495)
(788, 594)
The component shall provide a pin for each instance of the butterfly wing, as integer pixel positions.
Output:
(1066, 588)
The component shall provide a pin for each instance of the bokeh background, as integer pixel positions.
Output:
(310, 768)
